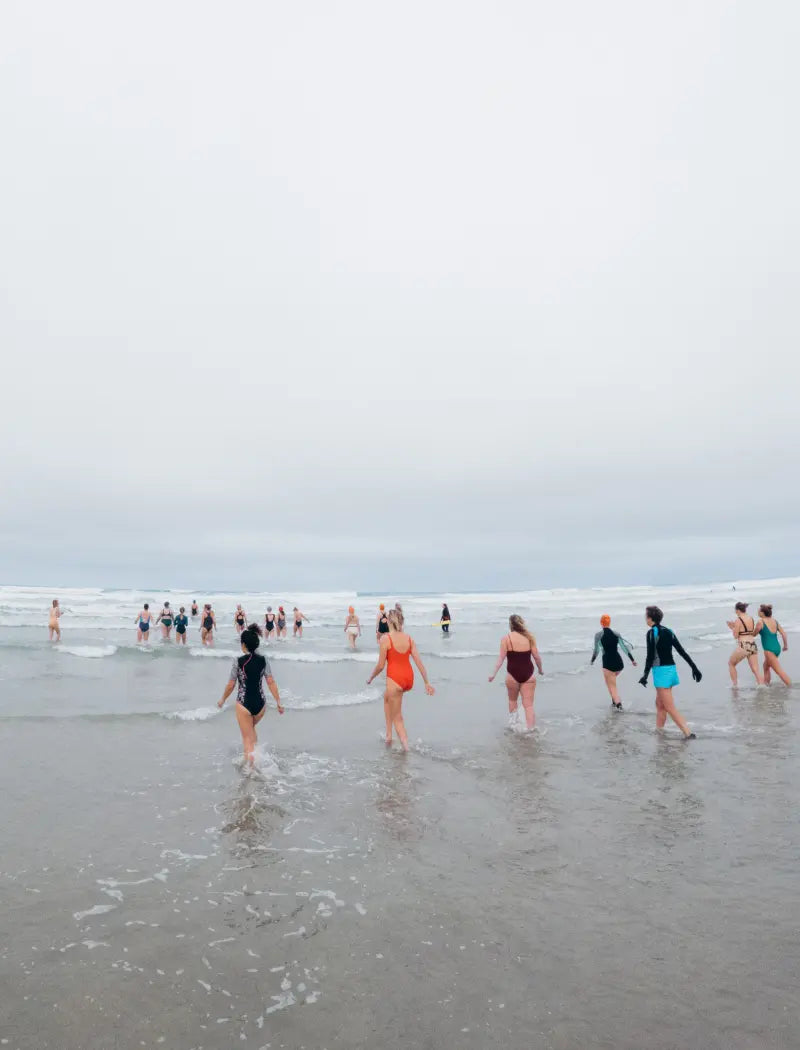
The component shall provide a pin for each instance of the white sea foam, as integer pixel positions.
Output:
(88, 652)
(366, 696)
(197, 714)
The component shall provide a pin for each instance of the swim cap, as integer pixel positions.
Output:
(381, 607)
(351, 609)
(605, 620)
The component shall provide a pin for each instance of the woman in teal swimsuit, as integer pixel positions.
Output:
(770, 629)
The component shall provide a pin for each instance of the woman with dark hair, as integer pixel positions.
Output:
(610, 642)
(744, 630)
(770, 629)
(181, 623)
(660, 643)
(207, 625)
(397, 651)
(249, 672)
(445, 619)
(518, 648)
(143, 624)
(281, 622)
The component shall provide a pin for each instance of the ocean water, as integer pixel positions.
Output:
(595, 884)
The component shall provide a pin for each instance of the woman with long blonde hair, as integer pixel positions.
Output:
(397, 651)
(518, 648)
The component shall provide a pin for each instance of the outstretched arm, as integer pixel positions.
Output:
(228, 690)
(537, 659)
(418, 661)
(272, 685)
(379, 666)
(627, 648)
(651, 655)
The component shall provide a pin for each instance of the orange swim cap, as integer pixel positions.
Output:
(381, 607)
(605, 620)
(351, 609)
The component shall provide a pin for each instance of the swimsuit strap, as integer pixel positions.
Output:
(510, 644)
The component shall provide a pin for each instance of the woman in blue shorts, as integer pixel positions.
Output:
(660, 643)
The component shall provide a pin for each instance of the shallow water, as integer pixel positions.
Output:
(595, 884)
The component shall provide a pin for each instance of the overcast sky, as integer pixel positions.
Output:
(418, 296)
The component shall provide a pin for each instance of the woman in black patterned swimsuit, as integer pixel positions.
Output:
(249, 672)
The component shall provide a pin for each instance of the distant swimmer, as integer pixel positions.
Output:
(239, 619)
(195, 610)
(609, 641)
(298, 622)
(143, 621)
(445, 619)
(352, 627)
(53, 625)
(165, 619)
(269, 622)
(397, 651)
(249, 672)
(181, 623)
(744, 633)
(381, 623)
(207, 625)
(660, 643)
(281, 622)
(518, 648)
(770, 630)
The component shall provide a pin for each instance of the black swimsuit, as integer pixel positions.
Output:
(383, 624)
(208, 623)
(240, 620)
(609, 640)
(269, 624)
(250, 671)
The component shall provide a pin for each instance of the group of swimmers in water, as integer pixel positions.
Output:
(518, 650)
(274, 624)
(520, 653)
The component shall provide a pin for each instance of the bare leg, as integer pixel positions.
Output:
(753, 661)
(248, 730)
(661, 712)
(139, 635)
(611, 684)
(772, 663)
(387, 710)
(767, 671)
(395, 695)
(512, 685)
(528, 690)
(736, 658)
(669, 708)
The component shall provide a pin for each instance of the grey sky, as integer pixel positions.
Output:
(441, 295)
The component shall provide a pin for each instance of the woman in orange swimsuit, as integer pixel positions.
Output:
(396, 653)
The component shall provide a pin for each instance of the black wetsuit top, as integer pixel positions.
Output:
(383, 624)
(661, 647)
(181, 621)
(609, 641)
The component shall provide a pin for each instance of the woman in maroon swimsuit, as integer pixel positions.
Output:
(518, 649)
